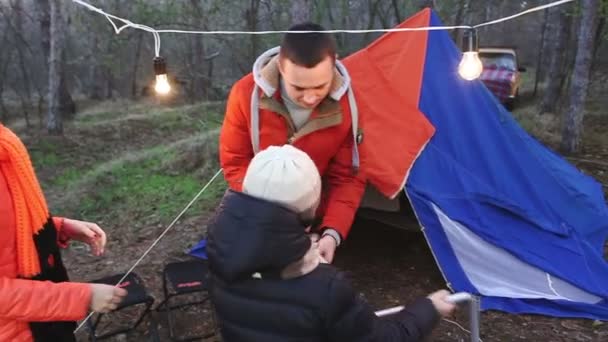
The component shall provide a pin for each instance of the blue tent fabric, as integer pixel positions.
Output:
(485, 172)
(199, 250)
(493, 201)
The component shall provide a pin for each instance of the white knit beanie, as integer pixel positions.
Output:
(286, 176)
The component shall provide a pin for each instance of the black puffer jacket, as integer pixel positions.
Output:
(247, 236)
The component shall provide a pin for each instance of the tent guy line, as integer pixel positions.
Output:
(196, 197)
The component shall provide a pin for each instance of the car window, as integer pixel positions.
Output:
(503, 61)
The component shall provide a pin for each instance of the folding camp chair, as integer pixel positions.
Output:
(137, 296)
(185, 279)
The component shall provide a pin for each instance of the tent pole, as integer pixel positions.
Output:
(474, 309)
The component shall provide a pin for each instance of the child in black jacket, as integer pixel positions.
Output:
(269, 282)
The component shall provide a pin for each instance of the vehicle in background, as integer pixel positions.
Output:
(501, 73)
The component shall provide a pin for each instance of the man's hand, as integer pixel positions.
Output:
(327, 248)
(441, 304)
(86, 232)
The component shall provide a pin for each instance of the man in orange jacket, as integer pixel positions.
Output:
(300, 94)
(37, 303)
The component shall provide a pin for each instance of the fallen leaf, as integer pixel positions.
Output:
(570, 325)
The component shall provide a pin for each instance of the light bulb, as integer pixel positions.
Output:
(162, 86)
(470, 66)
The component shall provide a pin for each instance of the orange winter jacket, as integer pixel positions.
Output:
(327, 138)
(386, 79)
(23, 300)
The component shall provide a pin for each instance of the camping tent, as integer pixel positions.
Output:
(505, 217)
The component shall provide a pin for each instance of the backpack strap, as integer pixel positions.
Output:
(255, 120)
(354, 113)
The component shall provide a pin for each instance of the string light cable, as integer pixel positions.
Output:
(470, 67)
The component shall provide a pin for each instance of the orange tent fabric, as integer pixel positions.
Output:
(387, 77)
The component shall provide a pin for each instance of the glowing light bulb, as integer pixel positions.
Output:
(470, 66)
(162, 85)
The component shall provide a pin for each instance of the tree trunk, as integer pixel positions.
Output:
(573, 120)
(199, 73)
(300, 11)
(397, 12)
(384, 21)
(197, 60)
(210, 78)
(54, 122)
(95, 90)
(251, 16)
(543, 45)
(463, 8)
(332, 20)
(140, 38)
(44, 17)
(3, 68)
(570, 51)
(65, 106)
(24, 108)
(373, 13)
(426, 3)
(488, 11)
(5, 59)
(487, 14)
(344, 39)
(25, 94)
(599, 38)
(557, 29)
(106, 76)
(108, 91)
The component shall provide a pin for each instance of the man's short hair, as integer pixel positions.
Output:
(307, 49)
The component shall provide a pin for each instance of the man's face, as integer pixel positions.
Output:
(307, 87)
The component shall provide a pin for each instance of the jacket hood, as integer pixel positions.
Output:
(248, 235)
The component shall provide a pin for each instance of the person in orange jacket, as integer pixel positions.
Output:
(299, 94)
(37, 303)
